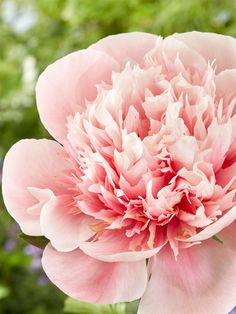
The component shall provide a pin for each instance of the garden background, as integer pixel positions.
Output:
(32, 35)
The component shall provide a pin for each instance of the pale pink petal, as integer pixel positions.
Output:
(225, 89)
(227, 236)
(184, 151)
(31, 164)
(202, 280)
(225, 83)
(127, 47)
(90, 280)
(64, 225)
(42, 195)
(215, 227)
(224, 176)
(64, 86)
(232, 150)
(191, 59)
(212, 47)
(115, 248)
(218, 140)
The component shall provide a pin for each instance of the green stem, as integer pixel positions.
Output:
(111, 307)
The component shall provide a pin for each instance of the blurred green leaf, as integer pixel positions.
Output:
(216, 238)
(39, 241)
(4, 292)
(77, 307)
(132, 307)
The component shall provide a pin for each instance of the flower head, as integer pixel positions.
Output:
(146, 169)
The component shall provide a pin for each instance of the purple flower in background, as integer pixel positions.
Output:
(10, 245)
(11, 242)
(43, 280)
(36, 254)
(36, 264)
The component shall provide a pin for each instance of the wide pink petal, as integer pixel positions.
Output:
(212, 47)
(228, 236)
(184, 151)
(115, 248)
(225, 85)
(202, 280)
(62, 89)
(218, 140)
(64, 225)
(90, 280)
(225, 175)
(127, 47)
(216, 227)
(31, 169)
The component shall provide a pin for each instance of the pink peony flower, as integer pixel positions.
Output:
(145, 168)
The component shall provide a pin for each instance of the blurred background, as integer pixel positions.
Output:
(32, 35)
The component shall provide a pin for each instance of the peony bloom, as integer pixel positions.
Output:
(144, 169)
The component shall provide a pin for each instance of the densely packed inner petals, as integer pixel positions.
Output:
(152, 151)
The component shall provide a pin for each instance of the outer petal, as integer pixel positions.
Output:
(212, 47)
(62, 89)
(225, 85)
(115, 248)
(228, 237)
(31, 164)
(65, 228)
(201, 281)
(225, 175)
(223, 222)
(129, 46)
(90, 280)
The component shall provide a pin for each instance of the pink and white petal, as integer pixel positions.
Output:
(90, 280)
(32, 164)
(184, 151)
(226, 220)
(127, 47)
(65, 85)
(63, 226)
(114, 247)
(225, 175)
(191, 59)
(225, 85)
(218, 140)
(42, 195)
(227, 236)
(212, 47)
(202, 280)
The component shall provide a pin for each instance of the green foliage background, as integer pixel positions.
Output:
(32, 35)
